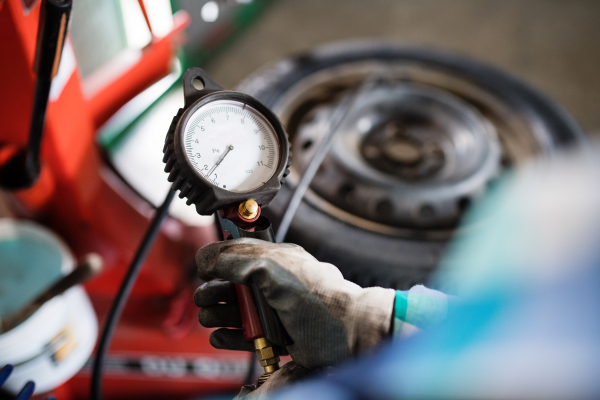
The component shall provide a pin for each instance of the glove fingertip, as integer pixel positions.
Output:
(214, 292)
(198, 296)
(216, 341)
(230, 339)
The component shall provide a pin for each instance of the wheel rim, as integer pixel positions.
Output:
(413, 187)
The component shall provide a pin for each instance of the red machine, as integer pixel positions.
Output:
(158, 349)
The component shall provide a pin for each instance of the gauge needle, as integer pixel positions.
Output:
(229, 148)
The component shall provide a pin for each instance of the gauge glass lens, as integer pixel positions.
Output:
(231, 145)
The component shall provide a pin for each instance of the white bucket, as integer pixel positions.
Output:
(55, 342)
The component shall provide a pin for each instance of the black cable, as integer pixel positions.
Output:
(118, 304)
(38, 115)
(23, 169)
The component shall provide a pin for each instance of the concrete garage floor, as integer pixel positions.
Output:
(552, 44)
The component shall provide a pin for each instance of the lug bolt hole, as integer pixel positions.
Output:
(371, 152)
(426, 212)
(384, 207)
(345, 190)
(463, 204)
(307, 144)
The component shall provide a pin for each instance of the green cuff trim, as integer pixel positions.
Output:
(400, 308)
(401, 304)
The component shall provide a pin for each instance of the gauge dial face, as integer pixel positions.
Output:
(231, 145)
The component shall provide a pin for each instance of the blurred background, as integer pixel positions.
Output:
(552, 44)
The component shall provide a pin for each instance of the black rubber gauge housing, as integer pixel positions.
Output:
(200, 191)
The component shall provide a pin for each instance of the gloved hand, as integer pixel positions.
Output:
(329, 318)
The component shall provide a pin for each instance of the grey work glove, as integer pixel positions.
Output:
(329, 318)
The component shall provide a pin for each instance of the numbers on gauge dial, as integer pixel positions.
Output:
(232, 145)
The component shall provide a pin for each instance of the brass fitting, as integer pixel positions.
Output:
(267, 355)
(248, 209)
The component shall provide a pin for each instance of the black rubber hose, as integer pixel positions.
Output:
(118, 304)
(23, 169)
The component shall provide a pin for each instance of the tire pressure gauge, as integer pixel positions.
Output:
(224, 147)
(228, 153)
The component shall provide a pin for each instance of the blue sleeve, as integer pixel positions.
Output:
(418, 308)
(527, 272)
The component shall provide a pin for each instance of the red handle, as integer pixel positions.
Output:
(250, 320)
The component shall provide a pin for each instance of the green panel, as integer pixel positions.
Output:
(236, 18)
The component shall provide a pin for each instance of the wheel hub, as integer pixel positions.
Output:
(406, 155)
